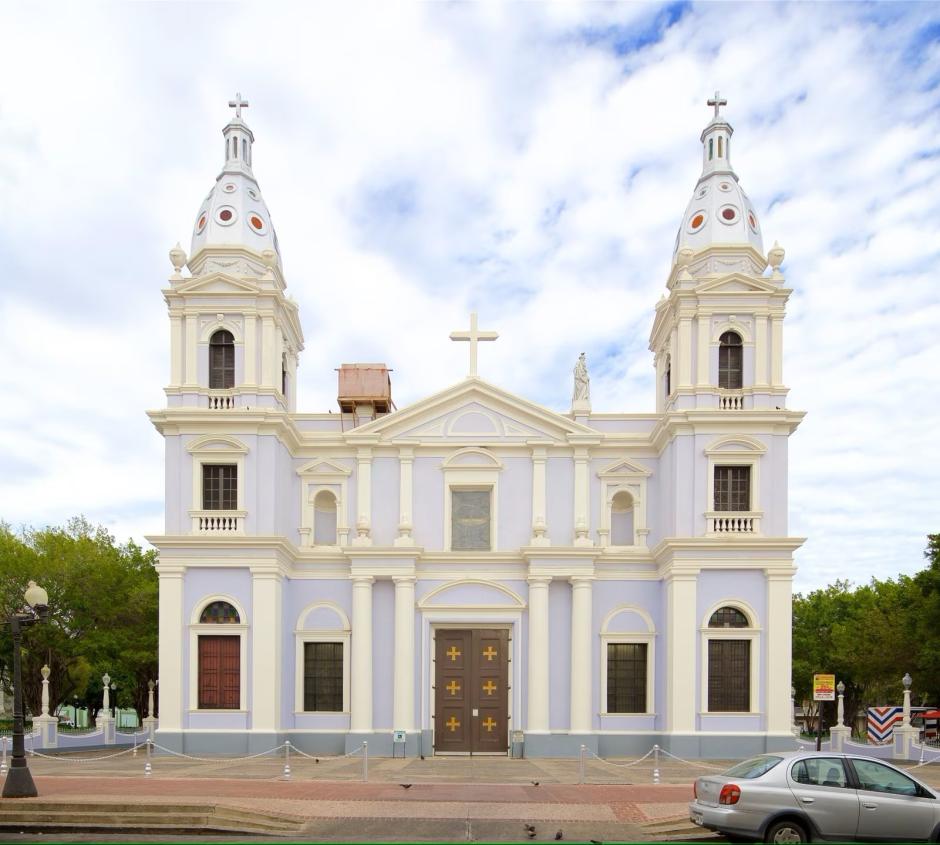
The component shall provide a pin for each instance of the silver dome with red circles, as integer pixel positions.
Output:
(234, 212)
(719, 213)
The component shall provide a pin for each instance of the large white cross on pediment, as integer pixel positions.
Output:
(474, 335)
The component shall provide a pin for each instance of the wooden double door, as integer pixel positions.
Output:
(471, 691)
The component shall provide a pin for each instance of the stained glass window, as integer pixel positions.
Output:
(220, 612)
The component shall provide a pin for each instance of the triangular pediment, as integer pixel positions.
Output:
(218, 283)
(474, 411)
(737, 283)
(624, 468)
(323, 466)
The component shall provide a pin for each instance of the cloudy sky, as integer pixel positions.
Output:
(530, 161)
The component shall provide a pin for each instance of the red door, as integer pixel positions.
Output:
(219, 673)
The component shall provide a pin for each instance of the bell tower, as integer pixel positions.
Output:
(717, 338)
(235, 336)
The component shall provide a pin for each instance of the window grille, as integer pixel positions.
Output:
(729, 676)
(728, 617)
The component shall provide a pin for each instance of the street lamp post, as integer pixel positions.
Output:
(19, 782)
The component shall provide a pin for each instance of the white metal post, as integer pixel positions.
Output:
(365, 762)
(287, 759)
(581, 764)
(655, 764)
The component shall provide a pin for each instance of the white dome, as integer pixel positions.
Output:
(234, 212)
(719, 213)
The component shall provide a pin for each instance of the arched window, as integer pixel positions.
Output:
(711, 148)
(245, 150)
(324, 519)
(729, 664)
(284, 375)
(219, 613)
(621, 519)
(720, 145)
(730, 361)
(221, 360)
(668, 377)
(728, 617)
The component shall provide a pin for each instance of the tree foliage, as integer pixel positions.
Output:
(870, 635)
(103, 614)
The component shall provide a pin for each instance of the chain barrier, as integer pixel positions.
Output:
(59, 759)
(691, 763)
(620, 765)
(217, 759)
(320, 758)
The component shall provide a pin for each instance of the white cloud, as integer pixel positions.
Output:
(527, 160)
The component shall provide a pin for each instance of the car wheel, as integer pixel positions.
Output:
(786, 831)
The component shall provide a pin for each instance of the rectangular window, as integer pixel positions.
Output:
(733, 488)
(729, 676)
(219, 673)
(626, 677)
(470, 520)
(219, 487)
(323, 677)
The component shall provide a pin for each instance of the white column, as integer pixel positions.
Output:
(684, 352)
(265, 650)
(776, 351)
(680, 652)
(176, 350)
(250, 349)
(405, 496)
(537, 721)
(360, 720)
(192, 346)
(363, 497)
(171, 648)
(582, 658)
(703, 347)
(760, 349)
(270, 367)
(582, 498)
(292, 362)
(778, 631)
(403, 717)
(539, 519)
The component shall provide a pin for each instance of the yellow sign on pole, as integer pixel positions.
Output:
(824, 687)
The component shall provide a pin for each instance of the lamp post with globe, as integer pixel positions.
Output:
(19, 782)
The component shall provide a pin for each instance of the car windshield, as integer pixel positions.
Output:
(753, 768)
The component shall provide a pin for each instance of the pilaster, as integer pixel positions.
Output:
(539, 526)
(405, 496)
(171, 648)
(582, 498)
(776, 350)
(269, 362)
(703, 347)
(581, 654)
(363, 497)
(265, 650)
(684, 351)
(538, 678)
(680, 651)
(760, 350)
(779, 643)
(192, 347)
(360, 717)
(176, 350)
(251, 350)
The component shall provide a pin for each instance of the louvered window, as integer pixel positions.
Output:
(730, 361)
(221, 360)
(626, 677)
(323, 677)
(729, 676)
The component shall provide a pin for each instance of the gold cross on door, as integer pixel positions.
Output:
(489, 652)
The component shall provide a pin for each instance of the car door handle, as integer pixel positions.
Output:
(870, 806)
(807, 800)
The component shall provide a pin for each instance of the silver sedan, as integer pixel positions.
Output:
(800, 796)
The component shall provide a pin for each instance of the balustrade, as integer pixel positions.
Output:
(217, 522)
(733, 523)
(731, 400)
(221, 401)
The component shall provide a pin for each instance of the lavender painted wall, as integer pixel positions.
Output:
(559, 506)
(428, 509)
(385, 490)
(383, 653)
(515, 504)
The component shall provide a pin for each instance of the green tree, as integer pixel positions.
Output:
(103, 612)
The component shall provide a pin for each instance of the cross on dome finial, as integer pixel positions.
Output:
(717, 102)
(238, 104)
(474, 335)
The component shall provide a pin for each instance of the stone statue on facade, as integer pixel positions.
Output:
(582, 381)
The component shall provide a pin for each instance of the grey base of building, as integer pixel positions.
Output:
(380, 744)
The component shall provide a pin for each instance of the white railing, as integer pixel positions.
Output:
(217, 522)
(731, 400)
(221, 401)
(733, 523)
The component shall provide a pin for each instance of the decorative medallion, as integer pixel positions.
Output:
(752, 221)
(230, 187)
(701, 192)
(201, 222)
(256, 222)
(728, 214)
(725, 186)
(697, 221)
(226, 215)
(253, 194)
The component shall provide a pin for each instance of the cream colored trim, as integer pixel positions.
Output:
(452, 461)
(330, 605)
(627, 608)
(213, 629)
(471, 477)
(518, 602)
(227, 445)
(740, 329)
(210, 327)
(339, 635)
(204, 602)
(649, 638)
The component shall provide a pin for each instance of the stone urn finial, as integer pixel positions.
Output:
(45, 672)
(775, 258)
(178, 260)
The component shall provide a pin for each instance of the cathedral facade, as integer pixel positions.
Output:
(475, 573)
